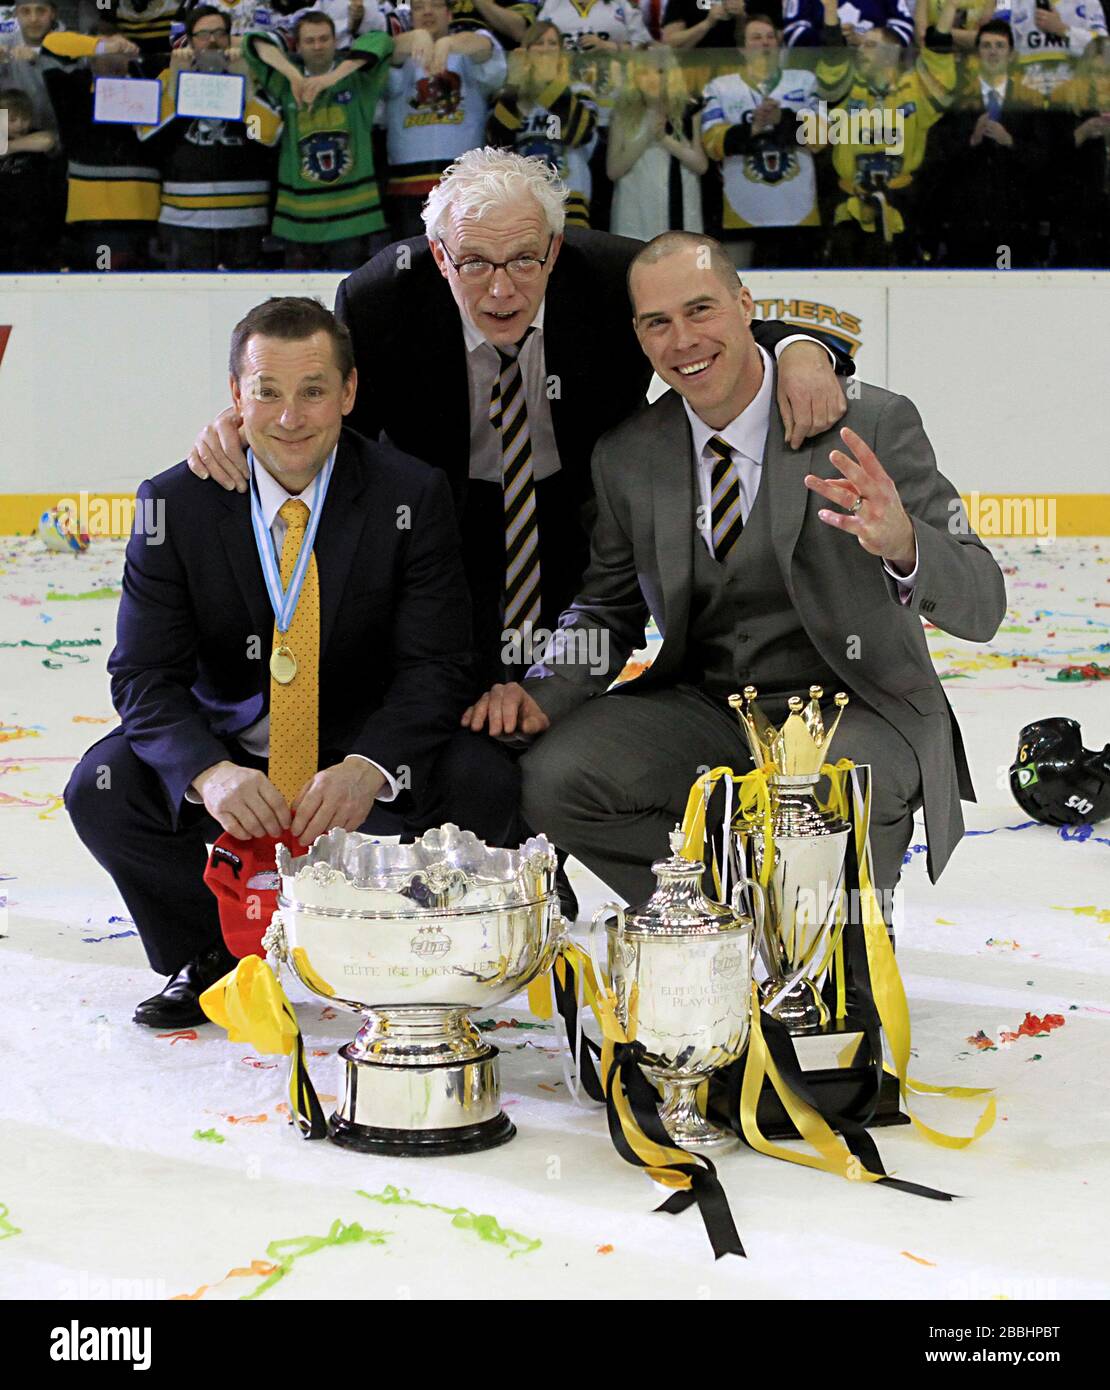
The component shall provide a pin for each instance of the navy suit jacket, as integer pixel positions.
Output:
(395, 634)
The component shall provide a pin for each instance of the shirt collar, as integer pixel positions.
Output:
(475, 337)
(999, 86)
(747, 434)
(272, 496)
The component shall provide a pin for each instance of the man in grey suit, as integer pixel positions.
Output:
(708, 522)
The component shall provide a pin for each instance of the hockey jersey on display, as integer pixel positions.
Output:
(327, 189)
(215, 175)
(432, 119)
(769, 178)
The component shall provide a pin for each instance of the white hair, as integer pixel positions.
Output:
(482, 180)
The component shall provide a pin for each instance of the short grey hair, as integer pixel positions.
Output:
(486, 178)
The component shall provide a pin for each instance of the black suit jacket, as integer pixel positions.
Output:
(394, 620)
(411, 359)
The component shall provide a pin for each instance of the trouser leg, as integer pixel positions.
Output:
(119, 810)
(609, 781)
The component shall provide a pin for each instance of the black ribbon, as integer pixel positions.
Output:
(307, 1101)
(705, 1187)
(566, 1001)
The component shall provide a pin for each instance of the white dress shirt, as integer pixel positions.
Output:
(747, 437)
(272, 497)
(483, 366)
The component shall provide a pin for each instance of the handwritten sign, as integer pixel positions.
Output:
(216, 95)
(126, 101)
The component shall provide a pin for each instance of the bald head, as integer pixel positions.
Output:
(709, 255)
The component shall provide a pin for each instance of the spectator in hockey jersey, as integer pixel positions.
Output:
(23, 59)
(986, 174)
(878, 130)
(655, 159)
(601, 30)
(804, 21)
(541, 112)
(113, 194)
(694, 24)
(328, 210)
(970, 18)
(1050, 36)
(216, 175)
(754, 126)
(1080, 197)
(438, 101)
(147, 23)
(29, 222)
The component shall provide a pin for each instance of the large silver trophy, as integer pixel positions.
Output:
(802, 925)
(415, 937)
(680, 968)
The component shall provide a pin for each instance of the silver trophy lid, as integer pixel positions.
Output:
(445, 868)
(678, 907)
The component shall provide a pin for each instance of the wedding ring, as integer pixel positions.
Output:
(856, 506)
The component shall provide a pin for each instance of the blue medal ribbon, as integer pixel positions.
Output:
(284, 601)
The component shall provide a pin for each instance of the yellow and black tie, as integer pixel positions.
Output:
(508, 414)
(295, 705)
(725, 499)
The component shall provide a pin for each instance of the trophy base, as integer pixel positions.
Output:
(420, 1143)
(409, 1110)
(843, 1091)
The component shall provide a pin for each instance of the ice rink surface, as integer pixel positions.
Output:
(162, 1166)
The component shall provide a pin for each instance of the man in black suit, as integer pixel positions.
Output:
(378, 650)
(427, 334)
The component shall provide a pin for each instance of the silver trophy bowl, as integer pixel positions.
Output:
(800, 929)
(680, 968)
(415, 937)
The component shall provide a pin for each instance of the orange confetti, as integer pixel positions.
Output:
(917, 1259)
(256, 1267)
(91, 719)
(246, 1119)
(545, 1087)
(180, 1035)
(604, 1249)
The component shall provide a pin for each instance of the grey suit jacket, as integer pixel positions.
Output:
(641, 563)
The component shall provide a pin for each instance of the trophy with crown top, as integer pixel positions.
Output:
(800, 862)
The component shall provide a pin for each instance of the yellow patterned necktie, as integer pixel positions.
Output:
(295, 706)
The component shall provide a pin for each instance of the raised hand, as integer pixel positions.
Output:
(873, 511)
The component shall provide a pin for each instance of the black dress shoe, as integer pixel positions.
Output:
(178, 1004)
(568, 902)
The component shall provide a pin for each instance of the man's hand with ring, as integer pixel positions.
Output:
(873, 510)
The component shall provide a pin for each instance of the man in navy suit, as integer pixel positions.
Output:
(190, 674)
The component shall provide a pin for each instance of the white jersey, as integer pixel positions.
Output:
(773, 185)
(1044, 58)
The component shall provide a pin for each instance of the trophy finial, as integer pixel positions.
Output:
(677, 840)
(800, 745)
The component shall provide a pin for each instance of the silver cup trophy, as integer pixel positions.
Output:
(680, 968)
(415, 937)
(800, 928)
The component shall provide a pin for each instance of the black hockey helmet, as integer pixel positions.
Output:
(1055, 779)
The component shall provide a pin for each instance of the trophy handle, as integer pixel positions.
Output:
(273, 941)
(759, 905)
(603, 911)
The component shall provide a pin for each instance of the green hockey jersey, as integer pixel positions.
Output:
(327, 189)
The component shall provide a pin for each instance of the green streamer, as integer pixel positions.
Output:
(486, 1228)
(6, 1227)
(286, 1253)
(210, 1136)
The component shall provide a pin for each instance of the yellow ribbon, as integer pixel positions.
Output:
(251, 1006)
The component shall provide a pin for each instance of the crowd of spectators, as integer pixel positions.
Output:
(800, 132)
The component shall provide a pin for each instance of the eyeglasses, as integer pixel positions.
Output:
(519, 268)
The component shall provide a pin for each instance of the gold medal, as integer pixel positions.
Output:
(283, 665)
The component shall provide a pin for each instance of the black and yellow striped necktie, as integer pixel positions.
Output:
(724, 499)
(508, 414)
